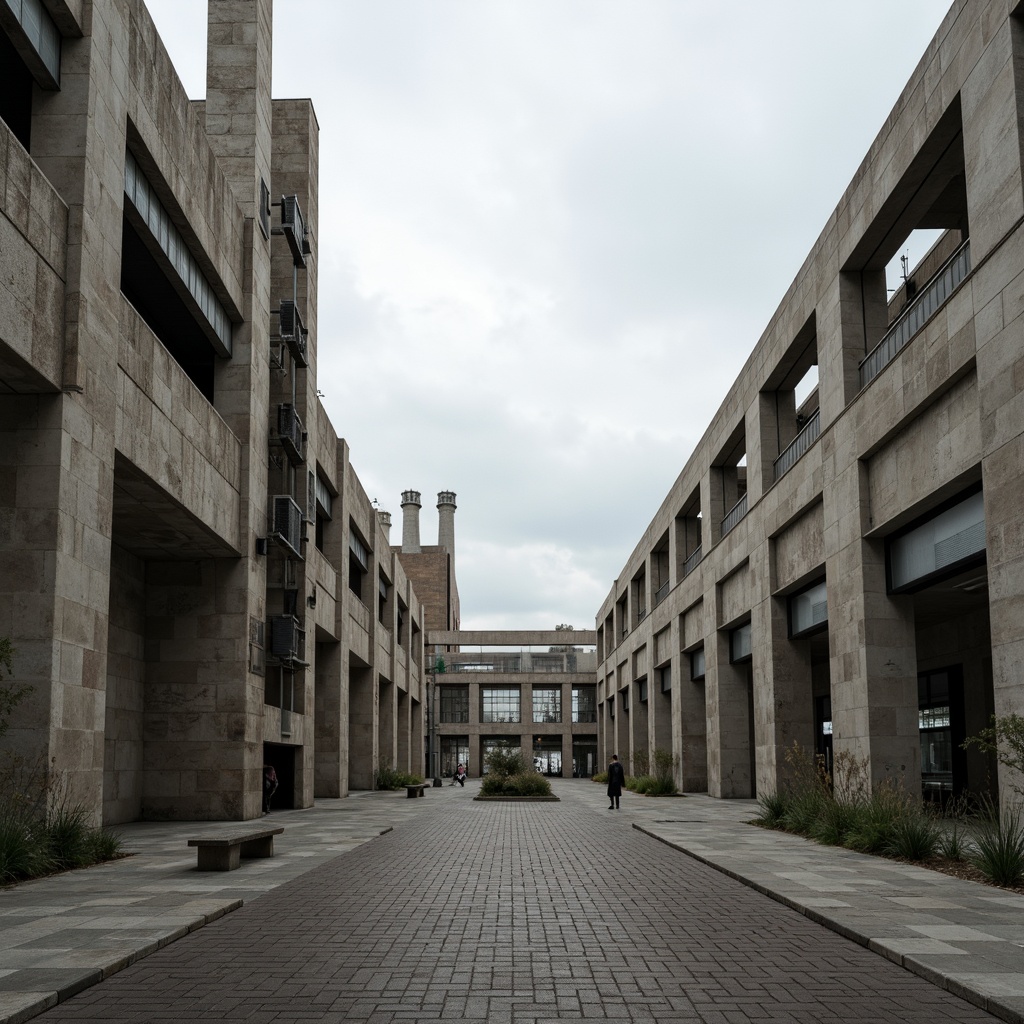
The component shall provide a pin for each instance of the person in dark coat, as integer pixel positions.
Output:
(616, 780)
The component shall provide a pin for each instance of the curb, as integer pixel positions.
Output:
(956, 987)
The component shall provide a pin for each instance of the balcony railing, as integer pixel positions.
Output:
(734, 515)
(661, 593)
(693, 561)
(807, 436)
(917, 314)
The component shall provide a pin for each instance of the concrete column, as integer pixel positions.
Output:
(783, 690)
(331, 767)
(446, 521)
(411, 522)
(727, 687)
(362, 754)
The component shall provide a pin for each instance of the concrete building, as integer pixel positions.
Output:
(844, 571)
(531, 689)
(193, 578)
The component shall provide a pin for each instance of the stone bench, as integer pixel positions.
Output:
(418, 789)
(222, 851)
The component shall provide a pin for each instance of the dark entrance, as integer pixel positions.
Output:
(940, 701)
(282, 757)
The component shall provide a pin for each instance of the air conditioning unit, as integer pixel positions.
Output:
(288, 640)
(286, 522)
(293, 334)
(290, 434)
(293, 227)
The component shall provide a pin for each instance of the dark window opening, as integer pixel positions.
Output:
(146, 287)
(15, 92)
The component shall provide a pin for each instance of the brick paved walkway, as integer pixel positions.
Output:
(515, 913)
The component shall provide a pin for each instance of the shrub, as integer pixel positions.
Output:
(999, 841)
(387, 777)
(772, 809)
(915, 837)
(665, 763)
(639, 784)
(641, 763)
(22, 854)
(526, 783)
(835, 821)
(507, 761)
(953, 831)
(68, 838)
(601, 777)
(874, 828)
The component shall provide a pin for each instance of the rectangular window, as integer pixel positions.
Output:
(358, 564)
(611, 707)
(740, 648)
(624, 703)
(641, 690)
(584, 704)
(454, 703)
(944, 544)
(697, 667)
(666, 679)
(547, 704)
(499, 704)
(382, 599)
(808, 610)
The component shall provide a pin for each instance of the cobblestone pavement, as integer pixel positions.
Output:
(519, 913)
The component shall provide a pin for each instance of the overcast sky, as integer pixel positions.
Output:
(551, 231)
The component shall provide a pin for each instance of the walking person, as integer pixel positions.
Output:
(616, 780)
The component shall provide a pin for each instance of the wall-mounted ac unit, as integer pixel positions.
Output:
(286, 522)
(290, 434)
(288, 640)
(293, 227)
(293, 334)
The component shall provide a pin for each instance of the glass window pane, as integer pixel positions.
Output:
(547, 704)
(499, 704)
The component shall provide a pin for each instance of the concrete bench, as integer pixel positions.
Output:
(222, 851)
(419, 789)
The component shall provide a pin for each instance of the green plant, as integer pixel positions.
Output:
(68, 838)
(641, 762)
(106, 845)
(601, 777)
(640, 783)
(524, 783)
(665, 763)
(835, 821)
(1004, 738)
(999, 842)
(388, 777)
(772, 809)
(874, 828)
(506, 761)
(22, 853)
(915, 837)
(953, 830)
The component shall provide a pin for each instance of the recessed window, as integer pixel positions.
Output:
(584, 706)
(547, 704)
(740, 647)
(499, 704)
(697, 665)
(808, 610)
(454, 703)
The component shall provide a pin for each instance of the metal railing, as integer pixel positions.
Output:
(661, 593)
(734, 515)
(693, 560)
(927, 303)
(807, 436)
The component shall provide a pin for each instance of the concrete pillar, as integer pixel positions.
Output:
(446, 521)
(411, 506)
(727, 687)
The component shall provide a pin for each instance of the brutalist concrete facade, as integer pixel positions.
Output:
(531, 690)
(193, 578)
(847, 573)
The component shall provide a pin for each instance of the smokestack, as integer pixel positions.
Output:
(446, 521)
(384, 518)
(411, 522)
